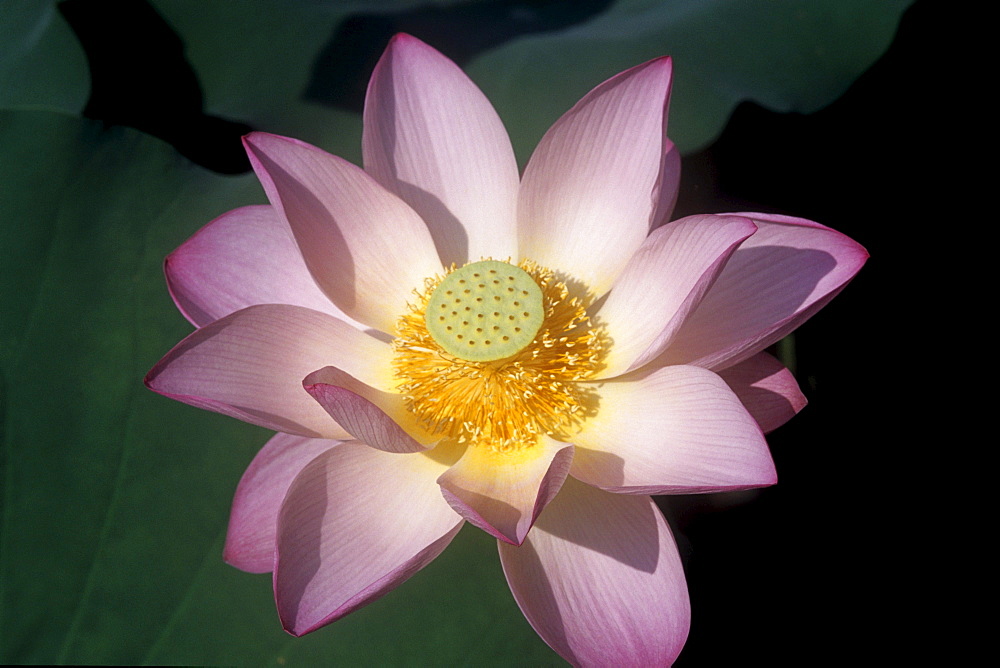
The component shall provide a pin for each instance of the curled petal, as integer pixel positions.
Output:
(503, 493)
(250, 365)
(253, 521)
(774, 282)
(433, 138)
(594, 186)
(767, 389)
(663, 282)
(364, 246)
(675, 430)
(371, 416)
(356, 523)
(245, 257)
(600, 580)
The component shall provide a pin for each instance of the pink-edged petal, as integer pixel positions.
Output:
(253, 521)
(250, 365)
(433, 138)
(242, 258)
(591, 190)
(777, 279)
(767, 389)
(503, 493)
(366, 249)
(355, 524)
(600, 580)
(379, 419)
(662, 283)
(673, 430)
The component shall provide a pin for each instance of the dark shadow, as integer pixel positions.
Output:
(542, 595)
(770, 409)
(309, 530)
(448, 233)
(803, 269)
(299, 202)
(140, 78)
(611, 466)
(575, 525)
(570, 518)
(460, 31)
(450, 238)
(501, 513)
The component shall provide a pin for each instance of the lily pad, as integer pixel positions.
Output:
(41, 62)
(785, 55)
(114, 499)
(299, 68)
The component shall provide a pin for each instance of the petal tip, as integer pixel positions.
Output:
(149, 380)
(250, 138)
(402, 39)
(259, 141)
(289, 628)
(405, 45)
(665, 62)
(469, 514)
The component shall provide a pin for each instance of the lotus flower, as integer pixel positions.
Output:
(439, 340)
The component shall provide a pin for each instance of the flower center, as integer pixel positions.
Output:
(492, 354)
(485, 311)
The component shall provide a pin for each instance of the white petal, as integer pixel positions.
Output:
(774, 282)
(433, 138)
(253, 521)
(663, 282)
(592, 189)
(767, 389)
(600, 580)
(242, 258)
(503, 493)
(366, 249)
(675, 430)
(250, 365)
(357, 522)
(379, 419)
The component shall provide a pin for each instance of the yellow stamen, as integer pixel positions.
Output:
(504, 404)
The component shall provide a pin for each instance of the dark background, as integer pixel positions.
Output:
(830, 566)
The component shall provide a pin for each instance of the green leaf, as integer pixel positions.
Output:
(41, 63)
(115, 499)
(258, 60)
(254, 61)
(784, 54)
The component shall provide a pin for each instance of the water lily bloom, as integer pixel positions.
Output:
(439, 340)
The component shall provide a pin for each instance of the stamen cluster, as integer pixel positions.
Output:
(503, 404)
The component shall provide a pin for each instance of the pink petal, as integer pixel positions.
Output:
(253, 522)
(767, 389)
(355, 524)
(366, 249)
(663, 282)
(674, 430)
(433, 138)
(245, 257)
(503, 493)
(374, 417)
(250, 365)
(600, 580)
(670, 179)
(595, 184)
(777, 279)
